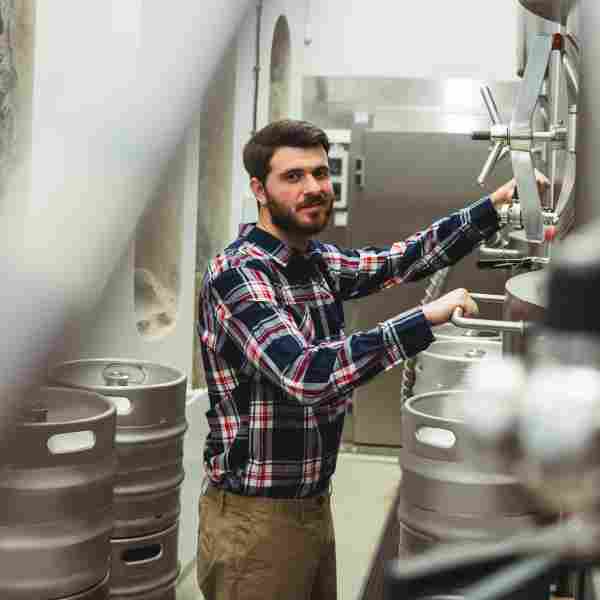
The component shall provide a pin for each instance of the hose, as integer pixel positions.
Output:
(434, 290)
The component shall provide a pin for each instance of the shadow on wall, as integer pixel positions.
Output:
(158, 253)
(215, 176)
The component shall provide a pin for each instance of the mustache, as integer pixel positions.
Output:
(319, 200)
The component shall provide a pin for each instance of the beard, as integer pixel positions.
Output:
(286, 218)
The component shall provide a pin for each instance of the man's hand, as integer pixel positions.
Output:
(439, 311)
(505, 193)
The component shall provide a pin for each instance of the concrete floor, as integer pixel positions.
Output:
(363, 491)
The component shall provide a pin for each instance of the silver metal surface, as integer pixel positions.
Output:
(529, 288)
(553, 10)
(399, 197)
(443, 495)
(490, 163)
(588, 142)
(151, 426)
(518, 242)
(502, 326)
(423, 529)
(521, 124)
(98, 592)
(399, 104)
(525, 301)
(450, 332)
(145, 567)
(531, 87)
(490, 104)
(502, 253)
(56, 498)
(445, 364)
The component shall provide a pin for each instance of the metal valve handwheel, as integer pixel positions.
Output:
(518, 137)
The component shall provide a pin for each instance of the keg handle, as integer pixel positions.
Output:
(71, 442)
(142, 555)
(425, 428)
(436, 437)
(457, 318)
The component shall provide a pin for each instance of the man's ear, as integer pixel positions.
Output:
(258, 189)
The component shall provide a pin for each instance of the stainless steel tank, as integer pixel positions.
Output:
(552, 10)
(525, 301)
(145, 568)
(444, 365)
(56, 497)
(443, 496)
(518, 241)
(150, 403)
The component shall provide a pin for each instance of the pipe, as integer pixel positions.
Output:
(259, 10)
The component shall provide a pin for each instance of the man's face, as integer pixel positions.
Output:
(298, 193)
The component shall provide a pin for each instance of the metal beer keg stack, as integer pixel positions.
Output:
(150, 404)
(444, 496)
(56, 498)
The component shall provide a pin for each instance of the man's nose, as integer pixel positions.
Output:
(311, 186)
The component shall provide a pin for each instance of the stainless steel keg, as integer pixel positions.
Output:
(56, 497)
(150, 403)
(98, 592)
(443, 496)
(450, 332)
(444, 365)
(145, 568)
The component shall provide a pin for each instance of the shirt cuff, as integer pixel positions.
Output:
(484, 216)
(407, 334)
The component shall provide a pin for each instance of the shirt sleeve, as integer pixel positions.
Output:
(248, 327)
(360, 272)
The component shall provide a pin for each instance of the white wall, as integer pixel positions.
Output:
(116, 84)
(295, 12)
(426, 39)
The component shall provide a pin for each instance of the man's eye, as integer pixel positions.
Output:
(324, 174)
(293, 177)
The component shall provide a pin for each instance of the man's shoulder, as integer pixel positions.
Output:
(238, 257)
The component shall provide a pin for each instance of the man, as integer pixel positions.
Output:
(280, 370)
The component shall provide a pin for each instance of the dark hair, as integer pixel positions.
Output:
(288, 132)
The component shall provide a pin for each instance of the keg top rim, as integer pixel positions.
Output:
(63, 374)
(457, 350)
(408, 405)
(69, 391)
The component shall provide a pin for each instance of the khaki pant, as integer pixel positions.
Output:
(266, 549)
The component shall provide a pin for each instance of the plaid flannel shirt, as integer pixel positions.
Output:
(279, 369)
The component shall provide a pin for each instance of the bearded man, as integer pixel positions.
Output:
(281, 371)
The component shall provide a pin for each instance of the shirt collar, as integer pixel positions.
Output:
(272, 246)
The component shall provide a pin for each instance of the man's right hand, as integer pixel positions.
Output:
(439, 311)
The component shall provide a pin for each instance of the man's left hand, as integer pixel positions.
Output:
(505, 193)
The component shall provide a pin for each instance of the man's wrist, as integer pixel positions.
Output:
(499, 199)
